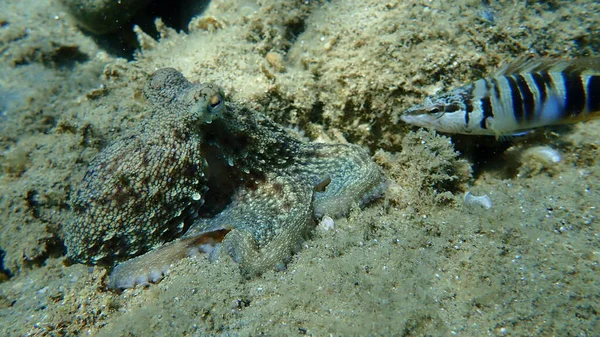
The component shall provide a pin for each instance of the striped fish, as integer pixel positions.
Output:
(527, 94)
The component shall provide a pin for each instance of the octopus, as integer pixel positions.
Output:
(202, 175)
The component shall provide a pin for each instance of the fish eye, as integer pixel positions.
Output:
(436, 111)
(215, 103)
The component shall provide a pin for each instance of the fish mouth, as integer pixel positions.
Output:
(411, 119)
(426, 122)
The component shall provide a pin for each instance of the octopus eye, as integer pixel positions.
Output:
(215, 103)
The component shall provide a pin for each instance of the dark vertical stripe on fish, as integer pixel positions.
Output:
(540, 84)
(550, 90)
(550, 87)
(575, 94)
(528, 103)
(494, 86)
(469, 103)
(486, 109)
(468, 112)
(593, 94)
(515, 95)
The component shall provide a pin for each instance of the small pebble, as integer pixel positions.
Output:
(276, 61)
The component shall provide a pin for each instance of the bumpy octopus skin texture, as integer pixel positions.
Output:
(203, 175)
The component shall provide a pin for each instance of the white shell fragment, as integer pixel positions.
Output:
(538, 159)
(546, 155)
(473, 201)
(326, 224)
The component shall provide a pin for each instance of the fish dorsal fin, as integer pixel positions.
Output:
(525, 64)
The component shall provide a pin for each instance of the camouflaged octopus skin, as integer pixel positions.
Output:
(202, 175)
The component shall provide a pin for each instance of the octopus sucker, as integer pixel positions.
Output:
(217, 178)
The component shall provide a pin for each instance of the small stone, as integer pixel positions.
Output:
(276, 61)
(208, 24)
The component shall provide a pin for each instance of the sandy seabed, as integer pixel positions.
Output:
(417, 262)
